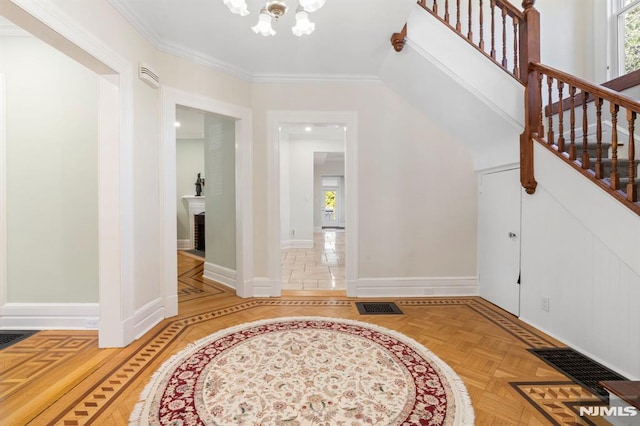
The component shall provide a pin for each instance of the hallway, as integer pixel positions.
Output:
(318, 268)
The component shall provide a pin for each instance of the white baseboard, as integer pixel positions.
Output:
(585, 352)
(49, 316)
(220, 274)
(317, 229)
(291, 244)
(184, 244)
(148, 316)
(415, 287)
(264, 287)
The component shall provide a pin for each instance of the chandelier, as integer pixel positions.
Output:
(273, 10)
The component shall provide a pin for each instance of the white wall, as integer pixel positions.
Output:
(567, 35)
(298, 161)
(189, 162)
(220, 191)
(587, 261)
(52, 179)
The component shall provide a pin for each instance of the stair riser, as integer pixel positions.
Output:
(592, 150)
(623, 168)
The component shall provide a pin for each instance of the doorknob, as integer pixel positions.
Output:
(512, 235)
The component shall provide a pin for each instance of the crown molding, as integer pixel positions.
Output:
(316, 78)
(127, 12)
(209, 61)
(205, 60)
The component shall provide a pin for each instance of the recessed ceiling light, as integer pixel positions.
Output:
(177, 124)
(307, 129)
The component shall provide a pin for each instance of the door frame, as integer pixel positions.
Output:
(495, 171)
(349, 119)
(243, 182)
(336, 211)
(115, 76)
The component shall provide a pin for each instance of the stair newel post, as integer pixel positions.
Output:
(560, 142)
(632, 194)
(530, 53)
(585, 129)
(599, 168)
(458, 24)
(398, 39)
(615, 176)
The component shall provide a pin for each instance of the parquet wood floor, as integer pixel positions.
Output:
(62, 378)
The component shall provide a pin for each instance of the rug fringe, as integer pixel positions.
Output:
(464, 413)
(136, 415)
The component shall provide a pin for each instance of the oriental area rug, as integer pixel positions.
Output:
(304, 371)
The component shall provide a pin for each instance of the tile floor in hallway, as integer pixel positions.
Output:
(320, 267)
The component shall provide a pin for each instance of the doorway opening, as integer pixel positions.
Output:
(313, 152)
(206, 190)
(225, 184)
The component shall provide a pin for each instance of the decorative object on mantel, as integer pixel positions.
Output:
(303, 371)
(274, 9)
(199, 184)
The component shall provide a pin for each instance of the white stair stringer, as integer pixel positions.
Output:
(457, 86)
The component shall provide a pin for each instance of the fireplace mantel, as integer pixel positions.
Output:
(195, 205)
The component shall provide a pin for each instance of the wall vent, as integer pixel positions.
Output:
(147, 75)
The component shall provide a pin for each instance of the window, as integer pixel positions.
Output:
(627, 21)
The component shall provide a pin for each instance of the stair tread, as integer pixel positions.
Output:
(610, 160)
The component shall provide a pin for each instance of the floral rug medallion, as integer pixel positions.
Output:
(304, 371)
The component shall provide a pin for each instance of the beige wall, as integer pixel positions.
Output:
(52, 178)
(415, 184)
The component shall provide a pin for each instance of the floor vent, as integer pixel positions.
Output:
(579, 368)
(378, 308)
(8, 338)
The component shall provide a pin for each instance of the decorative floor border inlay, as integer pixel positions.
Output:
(93, 402)
(558, 401)
(43, 353)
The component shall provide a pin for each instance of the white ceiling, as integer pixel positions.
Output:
(350, 40)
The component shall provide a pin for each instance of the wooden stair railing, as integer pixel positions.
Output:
(525, 42)
(605, 162)
(494, 27)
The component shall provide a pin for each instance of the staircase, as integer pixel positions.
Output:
(588, 126)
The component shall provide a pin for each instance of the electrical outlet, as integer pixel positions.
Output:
(91, 323)
(545, 303)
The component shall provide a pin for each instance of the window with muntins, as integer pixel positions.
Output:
(627, 22)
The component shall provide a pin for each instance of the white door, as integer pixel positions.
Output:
(499, 198)
(330, 207)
